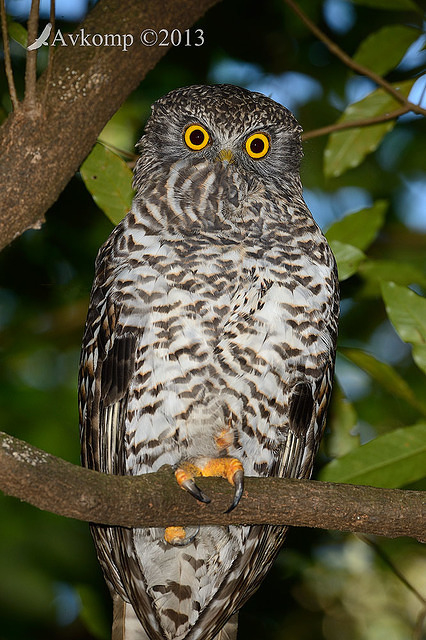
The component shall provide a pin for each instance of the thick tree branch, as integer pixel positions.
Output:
(55, 485)
(87, 84)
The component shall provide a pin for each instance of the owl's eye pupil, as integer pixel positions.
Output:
(197, 137)
(257, 145)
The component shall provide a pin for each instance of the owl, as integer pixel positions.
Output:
(209, 346)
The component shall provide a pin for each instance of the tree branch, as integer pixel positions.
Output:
(7, 59)
(58, 486)
(87, 85)
(353, 124)
(52, 20)
(30, 100)
(352, 64)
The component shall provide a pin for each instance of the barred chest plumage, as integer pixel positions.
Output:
(229, 312)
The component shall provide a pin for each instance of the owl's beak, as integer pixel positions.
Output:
(226, 156)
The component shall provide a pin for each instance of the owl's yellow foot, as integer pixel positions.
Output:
(229, 468)
(178, 536)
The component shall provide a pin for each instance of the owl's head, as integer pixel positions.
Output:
(221, 124)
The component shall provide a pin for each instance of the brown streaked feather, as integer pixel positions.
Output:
(301, 409)
(229, 631)
(118, 368)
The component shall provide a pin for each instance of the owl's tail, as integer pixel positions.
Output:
(125, 623)
(229, 631)
(127, 626)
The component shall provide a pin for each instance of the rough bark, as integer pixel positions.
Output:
(42, 145)
(58, 486)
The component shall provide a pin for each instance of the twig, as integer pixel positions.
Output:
(131, 157)
(51, 50)
(31, 65)
(349, 62)
(154, 499)
(7, 58)
(394, 568)
(384, 556)
(353, 124)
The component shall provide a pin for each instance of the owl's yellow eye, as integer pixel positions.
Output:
(257, 145)
(196, 137)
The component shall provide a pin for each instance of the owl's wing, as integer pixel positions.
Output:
(106, 367)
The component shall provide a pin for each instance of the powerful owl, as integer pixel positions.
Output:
(209, 346)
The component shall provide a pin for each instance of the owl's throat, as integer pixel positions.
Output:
(211, 196)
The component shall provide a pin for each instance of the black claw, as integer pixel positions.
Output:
(190, 486)
(238, 480)
(187, 540)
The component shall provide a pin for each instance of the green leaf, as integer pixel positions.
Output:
(407, 312)
(383, 50)
(342, 420)
(390, 461)
(374, 272)
(385, 375)
(419, 356)
(347, 149)
(391, 5)
(348, 258)
(360, 228)
(18, 33)
(109, 180)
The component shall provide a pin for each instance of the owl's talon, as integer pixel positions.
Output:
(178, 536)
(224, 467)
(195, 491)
(238, 482)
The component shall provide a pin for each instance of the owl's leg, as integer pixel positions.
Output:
(224, 467)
